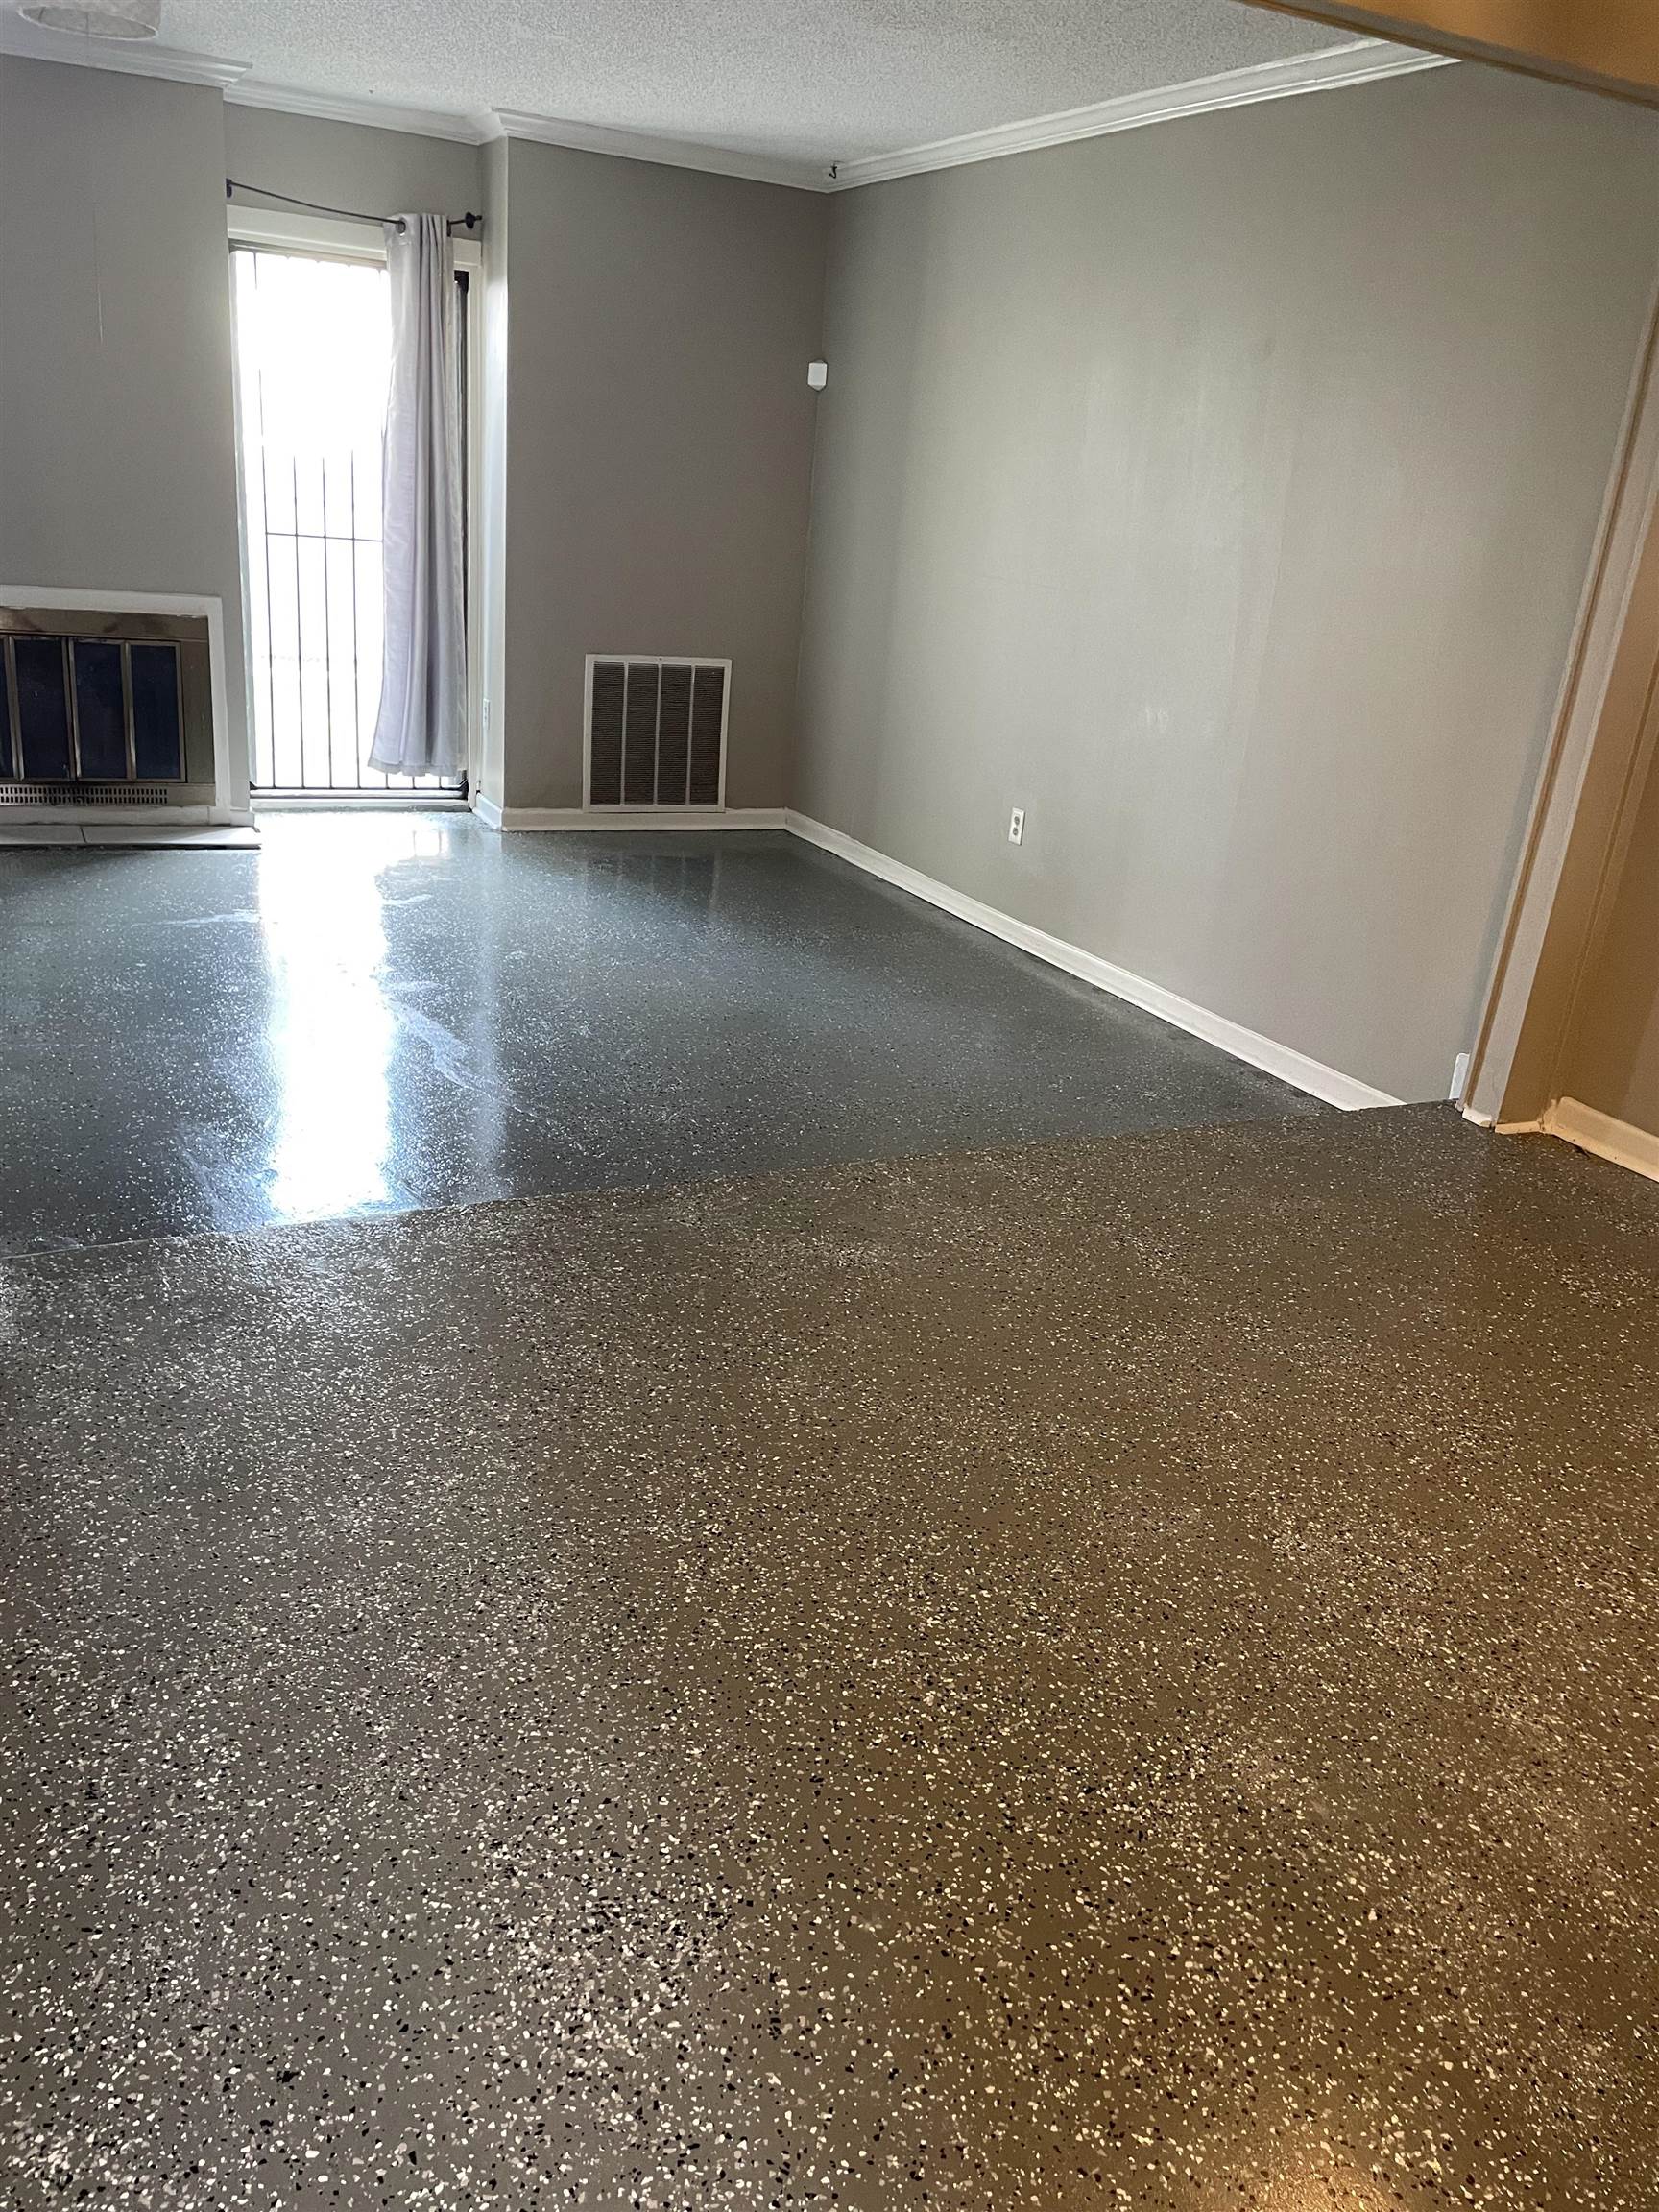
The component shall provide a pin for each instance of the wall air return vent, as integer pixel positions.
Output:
(655, 732)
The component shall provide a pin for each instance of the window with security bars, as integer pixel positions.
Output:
(656, 732)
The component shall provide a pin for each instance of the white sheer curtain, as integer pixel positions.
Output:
(421, 729)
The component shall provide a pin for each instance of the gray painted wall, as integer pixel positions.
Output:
(659, 451)
(1221, 494)
(117, 441)
(660, 425)
(364, 170)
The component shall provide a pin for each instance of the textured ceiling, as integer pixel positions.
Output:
(793, 79)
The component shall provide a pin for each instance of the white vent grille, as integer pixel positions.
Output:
(655, 731)
(84, 795)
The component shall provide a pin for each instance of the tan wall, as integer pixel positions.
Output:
(1576, 843)
(1222, 493)
(117, 440)
(1612, 1063)
(658, 447)
(1608, 43)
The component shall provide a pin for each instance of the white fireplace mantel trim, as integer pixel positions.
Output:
(58, 599)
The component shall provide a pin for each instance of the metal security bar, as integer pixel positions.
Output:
(313, 360)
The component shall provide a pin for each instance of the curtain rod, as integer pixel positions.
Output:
(466, 222)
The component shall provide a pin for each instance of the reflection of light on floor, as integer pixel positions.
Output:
(1338, 2186)
(331, 1026)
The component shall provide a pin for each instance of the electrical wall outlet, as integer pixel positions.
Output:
(1016, 826)
(1459, 1076)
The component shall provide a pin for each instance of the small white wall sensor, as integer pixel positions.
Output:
(817, 375)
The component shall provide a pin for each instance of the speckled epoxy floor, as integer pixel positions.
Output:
(382, 1010)
(1114, 1673)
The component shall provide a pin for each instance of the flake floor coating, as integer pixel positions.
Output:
(375, 1012)
(1111, 1674)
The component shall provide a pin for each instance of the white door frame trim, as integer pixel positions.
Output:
(1629, 510)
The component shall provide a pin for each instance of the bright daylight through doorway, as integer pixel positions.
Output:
(313, 357)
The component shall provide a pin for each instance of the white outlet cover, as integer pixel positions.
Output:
(1016, 826)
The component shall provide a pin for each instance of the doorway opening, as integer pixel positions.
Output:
(313, 365)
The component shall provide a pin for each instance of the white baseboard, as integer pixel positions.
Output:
(700, 818)
(1297, 1068)
(1593, 1131)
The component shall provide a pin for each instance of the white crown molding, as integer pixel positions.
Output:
(349, 107)
(670, 153)
(1361, 63)
(126, 57)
